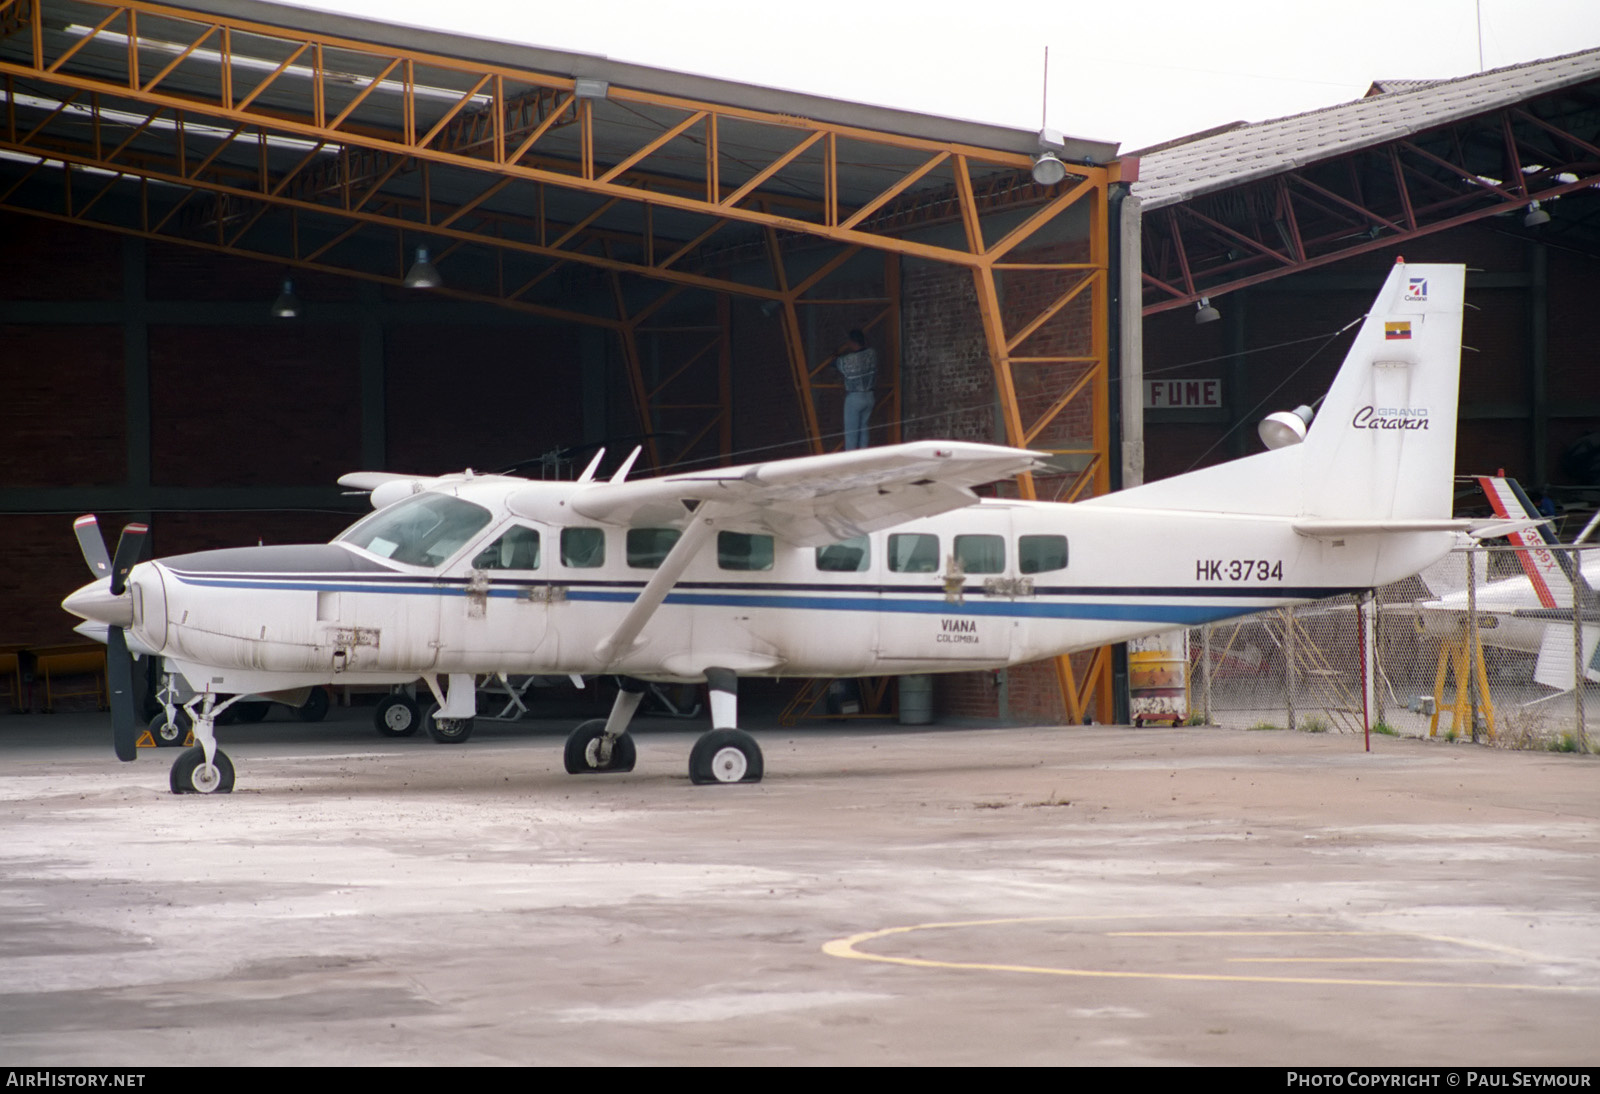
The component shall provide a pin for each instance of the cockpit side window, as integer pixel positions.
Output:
(517, 549)
(423, 530)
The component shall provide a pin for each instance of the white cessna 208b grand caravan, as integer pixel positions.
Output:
(872, 562)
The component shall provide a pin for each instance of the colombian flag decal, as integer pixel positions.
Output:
(1398, 331)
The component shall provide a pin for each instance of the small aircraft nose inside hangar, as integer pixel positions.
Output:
(248, 248)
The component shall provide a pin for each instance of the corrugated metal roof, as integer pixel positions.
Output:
(1383, 87)
(557, 62)
(1210, 163)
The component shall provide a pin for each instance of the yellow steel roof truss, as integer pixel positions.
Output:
(315, 151)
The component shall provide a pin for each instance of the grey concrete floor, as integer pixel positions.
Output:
(886, 896)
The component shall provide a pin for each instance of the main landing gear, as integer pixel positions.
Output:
(722, 755)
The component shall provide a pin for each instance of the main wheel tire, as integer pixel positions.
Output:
(446, 731)
(171, 732)
(725, 756)
(315, 708)
(583, 746)
(397, 715)
(192, 775)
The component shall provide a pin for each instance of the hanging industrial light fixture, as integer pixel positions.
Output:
(287, 306)
(423, 273)
(1048, 169)
(1536, 216)
(1204, 312)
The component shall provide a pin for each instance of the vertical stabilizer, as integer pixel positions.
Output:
(1383, 443)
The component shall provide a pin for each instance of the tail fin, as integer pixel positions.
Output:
(1383, 443)
(1550, 571)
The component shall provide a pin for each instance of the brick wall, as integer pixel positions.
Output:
(947, 384)
(63, 397)
(268, 405)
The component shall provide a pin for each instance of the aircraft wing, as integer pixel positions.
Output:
(814, 500)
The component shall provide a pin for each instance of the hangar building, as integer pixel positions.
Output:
(210, 214)
(627, 256)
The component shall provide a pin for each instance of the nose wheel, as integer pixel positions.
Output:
(191, 774)
(205, 768)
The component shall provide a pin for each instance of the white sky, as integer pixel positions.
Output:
(1135, 72)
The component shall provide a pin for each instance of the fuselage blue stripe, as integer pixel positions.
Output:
(1158, 609)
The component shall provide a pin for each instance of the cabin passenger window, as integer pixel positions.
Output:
(583, 548)
(981, 554)
(518, 549)
(738, 551)
(1041, 554)
(852, 556)
(913, 553)
(648, 547)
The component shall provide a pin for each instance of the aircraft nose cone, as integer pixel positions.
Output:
(95, 601)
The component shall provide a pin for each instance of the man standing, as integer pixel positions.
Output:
(858, 365)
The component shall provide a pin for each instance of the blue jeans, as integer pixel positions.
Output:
(857, 409)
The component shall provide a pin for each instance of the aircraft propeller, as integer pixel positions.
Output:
(119, 662)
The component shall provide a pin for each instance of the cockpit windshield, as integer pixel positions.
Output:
(423, 530)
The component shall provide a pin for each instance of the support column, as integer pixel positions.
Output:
(374, 379)
(1130, 359)
(136, 369)
(1538, 364)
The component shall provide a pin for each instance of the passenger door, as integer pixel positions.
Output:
(504, 606)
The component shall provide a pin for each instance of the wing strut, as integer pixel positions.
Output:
(701, 525)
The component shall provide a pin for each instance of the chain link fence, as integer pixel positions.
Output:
(1471, 648)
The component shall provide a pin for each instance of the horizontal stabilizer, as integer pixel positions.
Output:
(1325, 529)
(1318, 528)
(1494, 529)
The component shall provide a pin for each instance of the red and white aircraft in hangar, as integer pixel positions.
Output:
(871, 562)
